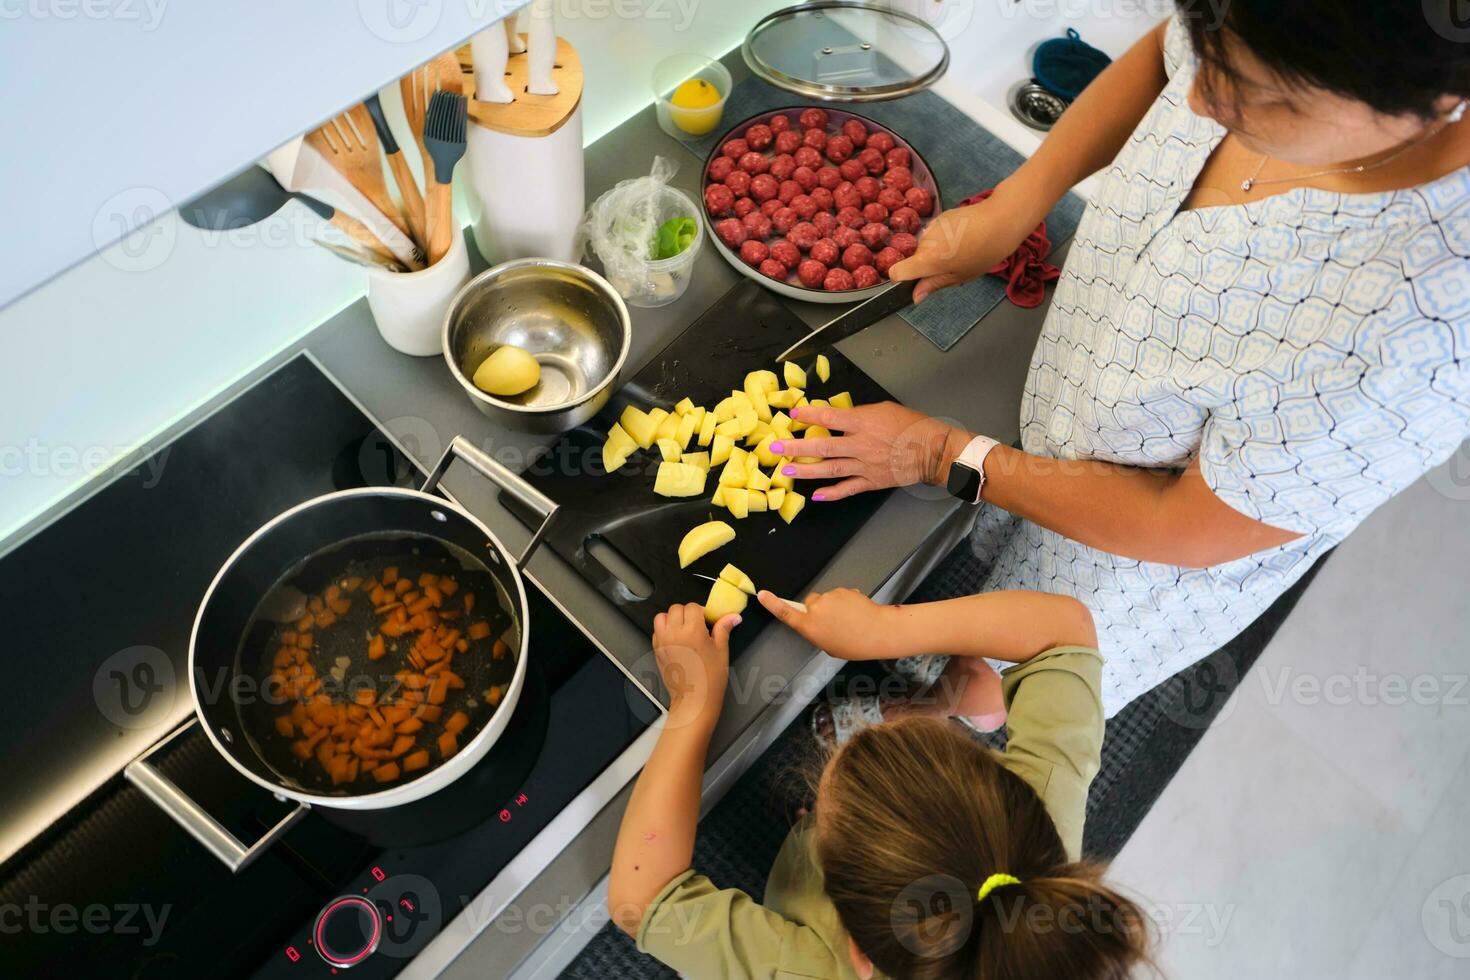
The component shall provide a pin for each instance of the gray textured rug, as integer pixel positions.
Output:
(1144, 747)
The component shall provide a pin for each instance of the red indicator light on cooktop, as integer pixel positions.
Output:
(347, 930)
(291, 954)
(378, 873)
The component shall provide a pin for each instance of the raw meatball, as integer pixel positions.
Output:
(788, 141)
(825, 222)
(896, 157)
(854, 130)
(822, 197)
(760, 136)
(811, 273)
(868, 187)
(803, 205)
(887, 259)
(829, 177)
(719, 168)
(764, 187)
(891, 199)
(770, 207)
(735, 149)
(905, 243)
(753, 252)
(875, 212)
(786, 253)
(920, 199)
(779, 124)
(788, 191)
(839, 148)
(871, 159)
(784, 219)
(774, 269)
(852, 169)
(806, 177)
(783, 165)
(803, 235)
(732, 232)
(845, 237)
(718, 199)
(739, 183)
(875, 235)
(754, 163)
(855, 255)
(813, 119)
(814, 138)
(851, 217)
(825, 251)
(757, 225)
(806, 156)
(899, 178)
(743, 206)
(837, 280)
(905, 219)
(882, 142)
(847, 196)
(864, 276)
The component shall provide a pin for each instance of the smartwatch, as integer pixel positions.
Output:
(967, 472)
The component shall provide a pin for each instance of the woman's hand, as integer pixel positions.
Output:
(844, 623)
(882, 445)
(964, 243)
(693, 662)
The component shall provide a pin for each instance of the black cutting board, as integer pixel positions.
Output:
(742, 332)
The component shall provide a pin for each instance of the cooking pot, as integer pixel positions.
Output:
(230, 665)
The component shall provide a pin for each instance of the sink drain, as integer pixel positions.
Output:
(1035, 106)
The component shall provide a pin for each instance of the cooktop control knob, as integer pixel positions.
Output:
(347, 930)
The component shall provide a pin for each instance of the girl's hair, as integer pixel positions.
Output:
(1396, 58)
(914, 817)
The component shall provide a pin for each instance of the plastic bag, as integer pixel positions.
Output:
(646, 235)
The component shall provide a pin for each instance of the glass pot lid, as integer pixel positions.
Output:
(843, 51)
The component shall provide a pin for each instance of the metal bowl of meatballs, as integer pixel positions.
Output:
(817, 203)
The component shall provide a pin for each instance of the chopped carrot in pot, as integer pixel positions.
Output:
(386, 772)
(416, 760)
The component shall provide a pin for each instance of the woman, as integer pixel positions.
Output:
(1260, 335)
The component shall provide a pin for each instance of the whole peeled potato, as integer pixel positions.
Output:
(507, 371)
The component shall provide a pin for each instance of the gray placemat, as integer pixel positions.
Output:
(965, 159)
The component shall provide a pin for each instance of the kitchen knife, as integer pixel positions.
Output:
(860, 317)
(798, 606)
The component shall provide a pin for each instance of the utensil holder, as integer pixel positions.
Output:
(409, 307)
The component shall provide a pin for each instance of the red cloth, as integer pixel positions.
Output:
(1025, 273)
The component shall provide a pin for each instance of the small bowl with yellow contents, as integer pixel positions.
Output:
(689, 93)
(537, 344)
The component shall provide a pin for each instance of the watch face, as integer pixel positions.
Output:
(964, 482)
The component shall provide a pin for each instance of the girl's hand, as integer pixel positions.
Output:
(967, 242)
(882, 445)
(694, 664)
(844, 623)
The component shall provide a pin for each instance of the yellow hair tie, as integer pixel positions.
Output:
(993, 882)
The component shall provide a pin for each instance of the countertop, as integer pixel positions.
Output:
(976, 384)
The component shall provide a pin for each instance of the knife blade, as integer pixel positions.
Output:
(798, 606)
(859, 318)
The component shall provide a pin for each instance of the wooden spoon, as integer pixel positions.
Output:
(350, 144)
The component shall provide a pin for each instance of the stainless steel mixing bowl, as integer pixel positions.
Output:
(568, 317)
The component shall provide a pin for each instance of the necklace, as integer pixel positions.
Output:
(1456, 114)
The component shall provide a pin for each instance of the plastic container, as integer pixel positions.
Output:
(409, 307)
(664, 280)
(668, 75)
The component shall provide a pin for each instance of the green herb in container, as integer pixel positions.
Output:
(673, 237)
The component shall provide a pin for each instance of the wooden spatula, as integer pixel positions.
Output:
(408, 188)
(349, 143)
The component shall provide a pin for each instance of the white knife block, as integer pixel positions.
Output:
(525, 164)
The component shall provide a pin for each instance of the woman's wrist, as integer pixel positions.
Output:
(947, 451)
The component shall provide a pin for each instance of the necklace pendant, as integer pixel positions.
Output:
(1246, 184)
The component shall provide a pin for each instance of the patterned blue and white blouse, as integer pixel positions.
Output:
(1312, 349)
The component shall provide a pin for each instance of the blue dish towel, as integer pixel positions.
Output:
(965, 159)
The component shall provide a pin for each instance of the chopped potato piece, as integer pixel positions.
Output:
(843, 399)
(755, 501)
(791, 506)
(774, 497)
(679, 480)
(669, 449)
(737, 501)
(761, 430)
(719, 497)
(757, 480)
(720, 451)
(763, 452)
(618, 448)
(784, 398)
(738, 579)
(724, 600)
(703, 539)
(686, 405)
(707, 429)
(756, 393)
(696, 459)
(779, 480)
(668, 427)
(685, 432)
(795, 376)
(639, 425)
(824, 368)
(509, 370)
(733, 475)
(724, 410)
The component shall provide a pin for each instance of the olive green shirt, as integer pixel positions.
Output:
(1054, 732)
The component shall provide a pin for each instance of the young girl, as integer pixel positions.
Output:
(926, 855)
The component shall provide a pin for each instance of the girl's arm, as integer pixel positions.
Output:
(1013, 626)
(656, 840)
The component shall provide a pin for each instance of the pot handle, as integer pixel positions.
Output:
(494, 471)
(193, 818)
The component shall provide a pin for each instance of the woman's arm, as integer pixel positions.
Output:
(656, 840)
(963, 243)
(1012, 626)
(1148, 515)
